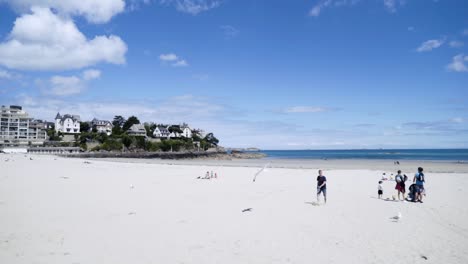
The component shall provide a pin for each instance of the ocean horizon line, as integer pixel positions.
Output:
(374, 154)
(345, 149)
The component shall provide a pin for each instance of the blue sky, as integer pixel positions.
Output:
(270, 74)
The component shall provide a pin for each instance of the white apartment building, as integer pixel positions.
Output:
(17, 128)
(69, 124)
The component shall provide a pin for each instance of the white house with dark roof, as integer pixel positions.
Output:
(161, 132)
(186, 131)
(69, 124)
(137, 130)
(102, 126)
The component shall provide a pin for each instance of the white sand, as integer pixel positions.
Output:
(55, 210)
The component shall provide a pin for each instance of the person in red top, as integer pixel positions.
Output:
(321, 186)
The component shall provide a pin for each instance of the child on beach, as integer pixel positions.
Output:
(380, 190)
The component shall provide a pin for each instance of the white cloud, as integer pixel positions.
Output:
(229, 31)
(100, 11)
(305, 109)
(173, 59)
(43, 40)
(91, 74)
(68, 85)
(465, 32)
(411, 28)
(180, 63)
(456, 44)
(8, 75)
(168, 57)
(457, 120)
(390, 5)
(458, 63)
(178, 109)
(65, 85)
(193, 7)
(133, 5)
(430, 45)
(317, 9)
(5, 74)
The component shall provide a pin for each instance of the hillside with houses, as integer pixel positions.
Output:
(69, 133)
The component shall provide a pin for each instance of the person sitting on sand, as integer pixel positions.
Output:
(380, 190)
(321, 186)
(400, 184)
(419, 179)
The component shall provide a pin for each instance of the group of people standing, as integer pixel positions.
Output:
(209, 176)
(416, 190)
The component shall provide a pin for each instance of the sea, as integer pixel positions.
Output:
(460, 155)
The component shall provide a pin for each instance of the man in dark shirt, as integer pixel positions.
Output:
(321, 186)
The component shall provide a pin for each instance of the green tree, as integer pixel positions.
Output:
(116, 131)
(84, 126)
(149, 127)
(84, 136)
(118, 121)
(175, 128)
(102, 137)
(211, 139)
(204, 145)
(83, 146)
(153, 146)
(130, 122)
(165, 145)
(52, 136)
(77, 140)
(112, 144)
(140, 142)
(127, 141)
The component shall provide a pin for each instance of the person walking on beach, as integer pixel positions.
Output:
(321, 186)
(400, 184)
(380, 190)
(419, 179)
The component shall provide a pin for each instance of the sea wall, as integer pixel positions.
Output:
(167, 155)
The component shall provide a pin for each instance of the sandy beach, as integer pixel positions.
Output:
(58, 210)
